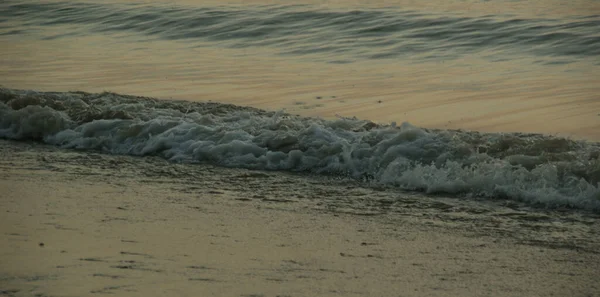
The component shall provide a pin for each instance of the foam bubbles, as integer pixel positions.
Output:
(533, 168)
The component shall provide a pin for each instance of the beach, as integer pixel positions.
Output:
(85, 224)
(316, 148)
(511, 66)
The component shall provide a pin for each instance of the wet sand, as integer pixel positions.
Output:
(468, 93)
(87, 224)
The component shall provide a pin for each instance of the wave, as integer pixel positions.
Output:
(302, 30)
(537, 169)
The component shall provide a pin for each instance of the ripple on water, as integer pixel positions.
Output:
(304, 30)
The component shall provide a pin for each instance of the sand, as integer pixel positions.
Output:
(86, 224)
(469, 93)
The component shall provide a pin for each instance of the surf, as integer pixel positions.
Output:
(537, 169)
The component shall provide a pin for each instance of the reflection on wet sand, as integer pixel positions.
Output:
(469, 93)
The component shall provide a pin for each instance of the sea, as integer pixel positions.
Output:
(489, 100)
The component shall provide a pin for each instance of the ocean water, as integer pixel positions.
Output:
(495, 66)
(539, 170)
(361, 34)
(372, 91)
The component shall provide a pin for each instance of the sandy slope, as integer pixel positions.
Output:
(131, 226)
(498, 97)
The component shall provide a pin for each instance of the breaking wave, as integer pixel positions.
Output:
(537, 169)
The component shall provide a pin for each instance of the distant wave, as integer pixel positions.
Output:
(302, 30)
(540, 170)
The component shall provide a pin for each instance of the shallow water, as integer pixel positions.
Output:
(532, 168)
(526, 66)
(401, 67)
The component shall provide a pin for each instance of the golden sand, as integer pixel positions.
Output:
(84, 224)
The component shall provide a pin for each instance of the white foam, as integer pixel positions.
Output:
(451, 162)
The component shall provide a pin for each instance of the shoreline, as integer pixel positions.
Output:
(254, 148)
(520, 95)
(142, 226)
(538, 169)
(266, 111)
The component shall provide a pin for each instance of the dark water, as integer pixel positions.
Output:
(360, 34)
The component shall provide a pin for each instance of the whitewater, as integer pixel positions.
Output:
(314, 148)
(539, 170)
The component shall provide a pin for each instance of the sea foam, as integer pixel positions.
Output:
(537, 169)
